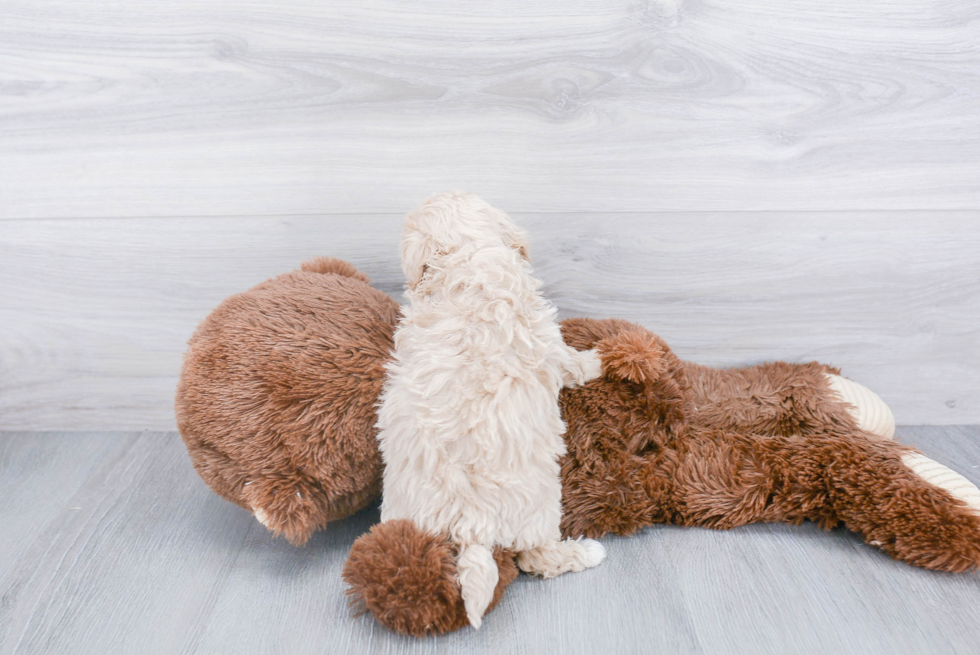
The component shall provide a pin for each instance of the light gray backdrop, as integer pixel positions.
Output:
(752, 180)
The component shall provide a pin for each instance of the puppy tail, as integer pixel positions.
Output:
(332, 266)
(477, 580)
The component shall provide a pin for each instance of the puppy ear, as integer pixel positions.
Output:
(513, 236)
(418, 250)
(632, 355)
(522, 247)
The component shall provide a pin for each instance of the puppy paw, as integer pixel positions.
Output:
(591, 365)
(586, 365)
(868, 410)
(555, 558)
(592, 553)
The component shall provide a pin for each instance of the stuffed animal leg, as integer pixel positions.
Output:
(896, 498)
(775, 398)
(786, 399)
(624, 424)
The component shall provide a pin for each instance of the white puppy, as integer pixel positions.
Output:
(470, 429)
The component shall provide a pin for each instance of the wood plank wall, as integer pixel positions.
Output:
(752, 180)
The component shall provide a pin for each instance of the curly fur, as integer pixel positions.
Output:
(469, 425)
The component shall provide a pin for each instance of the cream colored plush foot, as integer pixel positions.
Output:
(870, 411)
(947, 479)
(262, 517)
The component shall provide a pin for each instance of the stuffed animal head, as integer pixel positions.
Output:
(452, 226)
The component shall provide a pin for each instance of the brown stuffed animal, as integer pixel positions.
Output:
(276, 406)
(276, 396)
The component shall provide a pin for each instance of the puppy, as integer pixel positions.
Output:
(470, 430)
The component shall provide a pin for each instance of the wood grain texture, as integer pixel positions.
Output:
(113, 545)
(213, 107)
(95, 314)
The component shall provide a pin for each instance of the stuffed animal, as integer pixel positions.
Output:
(276, 399)
(276, 405)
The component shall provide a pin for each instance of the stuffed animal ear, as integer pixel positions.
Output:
(332, 266)
(632, 355)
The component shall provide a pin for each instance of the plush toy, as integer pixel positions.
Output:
(276, 399)
(276, 406)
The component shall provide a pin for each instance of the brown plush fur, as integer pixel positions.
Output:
(633, 460)
(776, 398)
(277, 392)
(406, 578)
(279, 387)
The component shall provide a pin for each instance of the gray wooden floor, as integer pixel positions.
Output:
(111, 544)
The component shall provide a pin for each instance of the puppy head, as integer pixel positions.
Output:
(451, 224)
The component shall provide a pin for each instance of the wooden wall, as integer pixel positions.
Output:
(754, 180)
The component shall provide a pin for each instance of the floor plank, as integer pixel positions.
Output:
(211, 107)
(152, 562)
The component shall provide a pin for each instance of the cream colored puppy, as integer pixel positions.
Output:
(470, 429)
